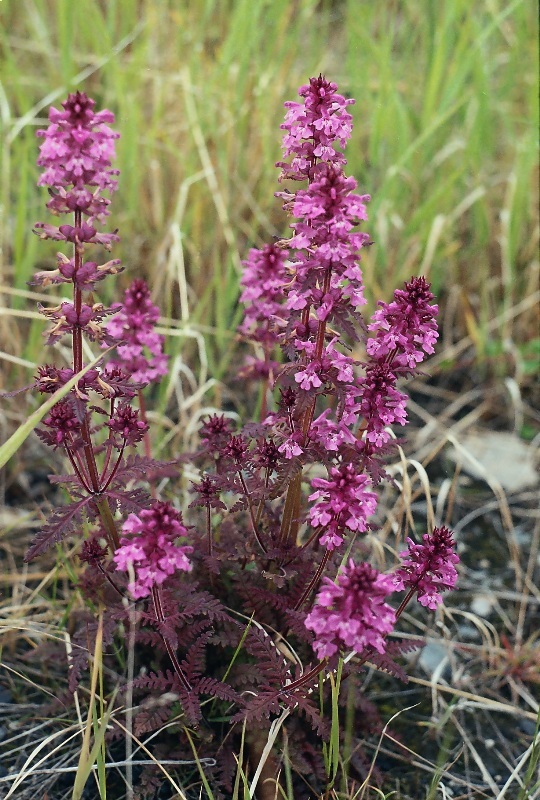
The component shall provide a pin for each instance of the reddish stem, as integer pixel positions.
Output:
(314, 580)
(251, 513)
(291, 512)
(410, 594)
(114, 469)
(303, 679)
(88, 450)
(209, 529)
(172, 655)
(78, 470)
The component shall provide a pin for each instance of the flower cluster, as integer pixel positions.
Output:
(351, 613)
(380, 403)
(141, 352)
(62, 425)
(126, 424)
(84, 277)
(313, 304)
(406, 329)
(77, 154)
(68, 317)
(428, 568)
(264, 278)
(345, 501)
(314, 126)
(148, 545)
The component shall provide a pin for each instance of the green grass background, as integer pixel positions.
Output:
(445, 141)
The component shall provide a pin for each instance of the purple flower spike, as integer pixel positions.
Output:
(345, 502)
(381, 404)
(314, 127)
(406, 328)
(263, 281)
(141, 354)
(351, 614)
(148, 545)
(77, 153)
(428, 567)
(264, 278)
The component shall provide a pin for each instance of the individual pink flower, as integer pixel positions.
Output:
(290, 447)
(329, 433)
(351, 614)
(141, 353)
(345, 501)
(429, 567)
(148, 545)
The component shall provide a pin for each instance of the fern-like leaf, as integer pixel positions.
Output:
(62, 522)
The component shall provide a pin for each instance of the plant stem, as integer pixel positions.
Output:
(314, 580)
(303, 679)
(410, 594)
(88, 450)
(156, 597)
(251, 513)
(107, 518)
(209, 529)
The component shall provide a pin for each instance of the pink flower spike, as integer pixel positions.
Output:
(428, 567)
(148, 545)
(345, 501)
(77, 152)
(406, 329)
(141, 352)
(351, 614)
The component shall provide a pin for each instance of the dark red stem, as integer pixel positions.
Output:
(251, 513)
(314, 580)
(88, 450)
(172, 655)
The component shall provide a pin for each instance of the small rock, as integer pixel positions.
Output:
(497, 455)
(528, 726)
(432, 656)
(468, 633)
(482, 605)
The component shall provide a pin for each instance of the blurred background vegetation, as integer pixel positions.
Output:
(445, 141)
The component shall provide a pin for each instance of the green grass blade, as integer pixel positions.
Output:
(9, 448)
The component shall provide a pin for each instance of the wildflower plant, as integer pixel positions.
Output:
(276, 532)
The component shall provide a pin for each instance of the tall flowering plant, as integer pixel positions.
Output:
(279, 515)
(76, 157)
(335, 410)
